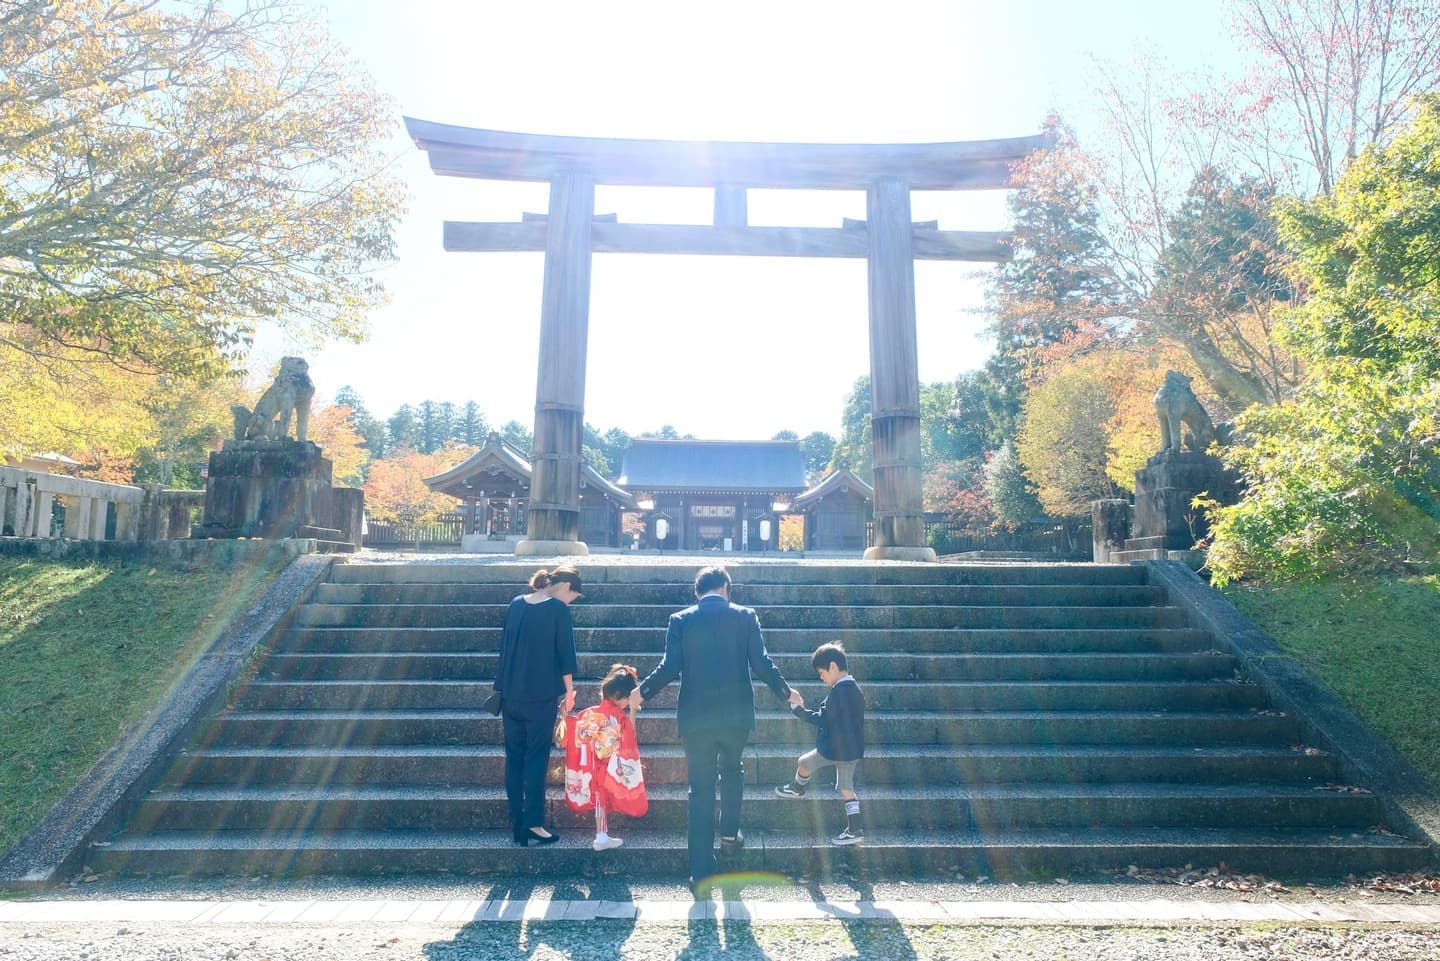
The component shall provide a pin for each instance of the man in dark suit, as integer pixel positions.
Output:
(713, 647)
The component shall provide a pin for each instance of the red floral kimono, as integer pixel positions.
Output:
(602, 761)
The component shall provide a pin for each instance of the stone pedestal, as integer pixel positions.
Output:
(1110, 520)
(1164, 488)
(925, 554)
(533, 547)
(266, 489)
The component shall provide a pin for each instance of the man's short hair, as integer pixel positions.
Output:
(711, 579)
(831, 652)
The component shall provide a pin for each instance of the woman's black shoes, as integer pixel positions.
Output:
(526, 837)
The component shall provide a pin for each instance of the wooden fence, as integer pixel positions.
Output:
(444, 531)
(1067, 540)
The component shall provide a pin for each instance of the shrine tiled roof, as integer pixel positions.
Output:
(500, 456)
(838, 481)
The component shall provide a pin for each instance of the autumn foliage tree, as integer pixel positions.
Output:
(1177, 182)
(92, 410)
(395, 488)
(1059, 281)
(1335, 77)
(174, 175)
(332, 427)
(1345, 476)
(189, 418)
(1064, 439)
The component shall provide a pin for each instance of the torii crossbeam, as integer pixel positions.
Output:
(570, 234)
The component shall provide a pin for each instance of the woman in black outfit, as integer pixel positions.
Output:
(537, 666)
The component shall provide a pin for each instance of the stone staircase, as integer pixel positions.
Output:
(1024, 720)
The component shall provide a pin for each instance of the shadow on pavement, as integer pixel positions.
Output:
(878, 935)
(493, 940)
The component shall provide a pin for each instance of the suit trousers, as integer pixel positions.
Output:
(529, 732)
(712, 755)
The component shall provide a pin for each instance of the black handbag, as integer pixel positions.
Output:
(492, 703)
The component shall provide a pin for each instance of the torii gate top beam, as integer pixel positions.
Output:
(500, 155)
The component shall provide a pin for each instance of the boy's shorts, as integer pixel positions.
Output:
(844, 770)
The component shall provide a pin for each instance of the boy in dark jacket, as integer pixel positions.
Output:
(840, 740)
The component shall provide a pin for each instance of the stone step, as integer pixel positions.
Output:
(743, 574)
(887, 696)
(1135, 556)
(768, 765)
(1041, 728)
(835, 618)
(1022, 719)
(1042, 853)
(676, 596)
(1145, 543)
(370, 668)
(879, 641)
(319, 533)
(208, 810)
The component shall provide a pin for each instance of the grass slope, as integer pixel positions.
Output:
(1375, 643)
(85, 650)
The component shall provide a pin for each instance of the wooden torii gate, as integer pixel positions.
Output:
(570, 233)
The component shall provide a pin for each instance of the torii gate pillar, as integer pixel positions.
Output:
(556, 452)
(894, 377)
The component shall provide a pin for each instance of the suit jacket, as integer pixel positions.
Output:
(713, 648)
(841, 722)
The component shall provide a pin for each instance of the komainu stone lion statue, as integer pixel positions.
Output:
(289, 394)
(1177, 407)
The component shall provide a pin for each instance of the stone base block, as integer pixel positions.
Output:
(269, 489)
(529, 548)
(482, 544)
(1164, 490)
(925, 554)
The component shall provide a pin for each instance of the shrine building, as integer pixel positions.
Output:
(690, 495)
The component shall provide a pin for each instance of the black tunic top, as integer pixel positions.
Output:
(537, 648)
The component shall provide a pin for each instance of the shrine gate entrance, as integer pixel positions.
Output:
(570, 233)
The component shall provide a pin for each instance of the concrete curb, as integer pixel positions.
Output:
(110, 789)
(1409, 800)
(458, 912)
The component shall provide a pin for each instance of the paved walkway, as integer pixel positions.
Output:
(467, 911)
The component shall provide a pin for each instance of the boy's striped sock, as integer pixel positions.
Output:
(852, 816)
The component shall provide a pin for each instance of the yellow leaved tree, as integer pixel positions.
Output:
(333, 430)
(172, 176)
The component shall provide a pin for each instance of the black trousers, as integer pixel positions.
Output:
(710, 756)
(529, 732)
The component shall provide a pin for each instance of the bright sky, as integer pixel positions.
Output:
(718, 347)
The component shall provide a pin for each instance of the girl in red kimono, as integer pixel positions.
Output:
(602, 764)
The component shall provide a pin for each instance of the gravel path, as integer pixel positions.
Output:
(781, 941)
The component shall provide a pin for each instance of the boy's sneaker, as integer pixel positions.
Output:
(789, 789)
(606, 844)
(849, 836)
